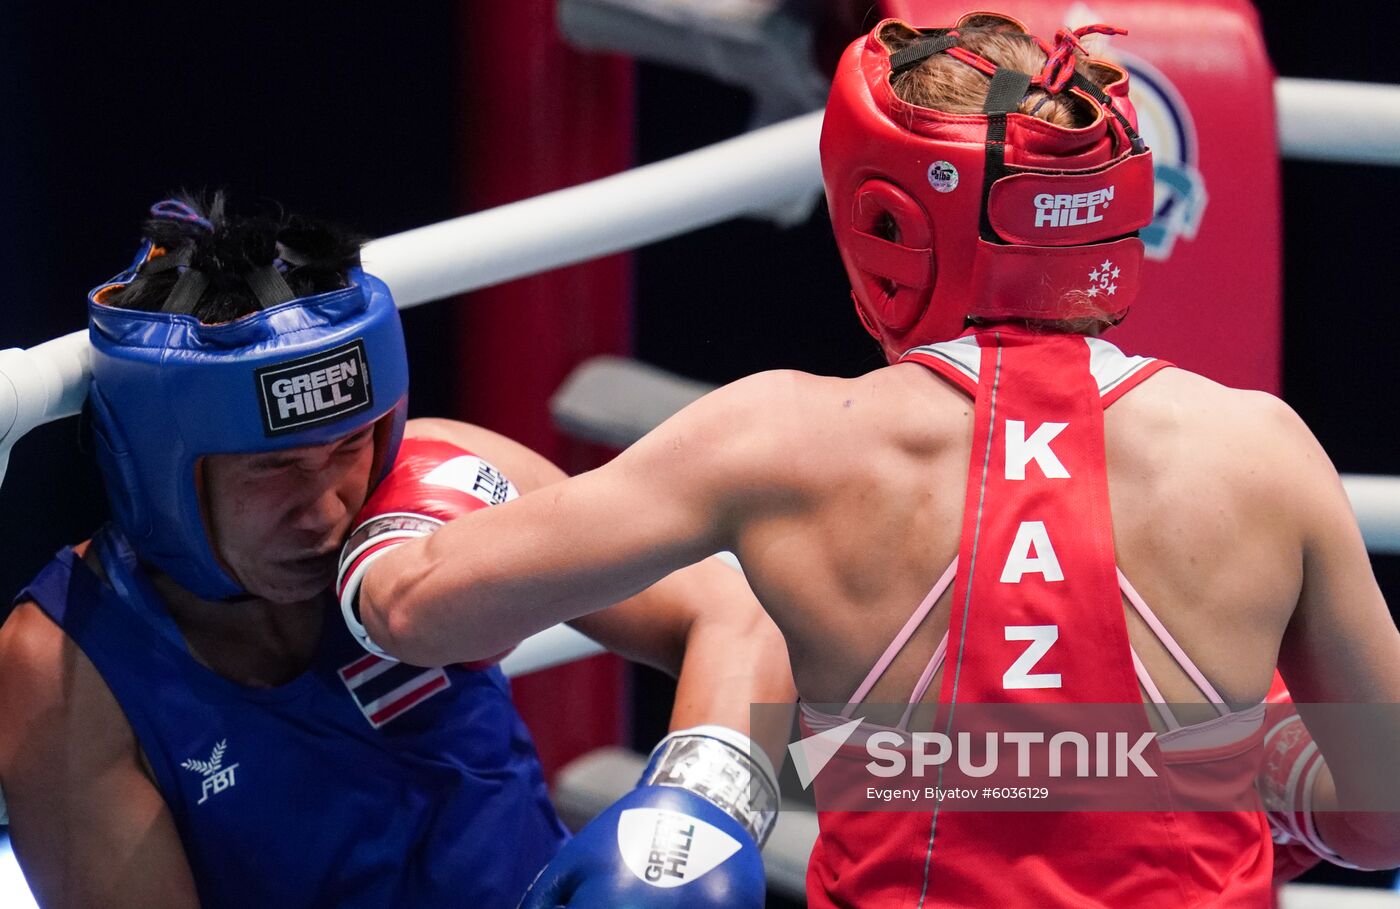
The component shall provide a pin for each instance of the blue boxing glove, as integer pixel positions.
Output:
(688, 836)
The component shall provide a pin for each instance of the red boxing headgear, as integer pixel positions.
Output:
(998, 215)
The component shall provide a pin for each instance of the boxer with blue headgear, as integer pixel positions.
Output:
(200, 726)
(169, 390)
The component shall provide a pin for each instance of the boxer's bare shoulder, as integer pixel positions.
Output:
(1207, 484)
(50, 689)
(74, 777)
(38, 662)
(1186, 438)
(33, 654)
(792, 431)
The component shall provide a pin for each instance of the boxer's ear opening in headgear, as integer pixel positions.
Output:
(893, 234)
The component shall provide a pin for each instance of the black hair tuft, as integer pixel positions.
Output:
(225, 246)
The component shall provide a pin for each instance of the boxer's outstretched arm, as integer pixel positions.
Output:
(1342, 647)
(701, 624)
(487, 581)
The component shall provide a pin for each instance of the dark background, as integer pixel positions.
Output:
(347, 112)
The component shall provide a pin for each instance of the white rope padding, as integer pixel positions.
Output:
(761, 171)
(551, 647)
(774, 169)
(1320, 896)
(39, 385)
(1345, 122)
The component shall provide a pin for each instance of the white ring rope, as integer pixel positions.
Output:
(774, 171)
(769, 169)
(1345, 122)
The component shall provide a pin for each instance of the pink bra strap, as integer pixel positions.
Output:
(901, 639)
(1154, 694)
(1170, 643)
(934, 664)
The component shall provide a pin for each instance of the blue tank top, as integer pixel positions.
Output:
(359, 783)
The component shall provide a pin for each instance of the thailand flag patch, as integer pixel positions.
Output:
(385, 689)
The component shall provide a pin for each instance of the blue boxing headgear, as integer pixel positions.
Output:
(168, 390)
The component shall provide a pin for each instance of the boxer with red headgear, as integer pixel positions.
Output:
(1013, 514)
(943, 216)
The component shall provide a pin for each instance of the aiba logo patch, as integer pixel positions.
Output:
(315, 389)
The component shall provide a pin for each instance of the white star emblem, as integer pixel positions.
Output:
(1094, 275)
(1115, 274)
(1093, 291)
(1112, 289)
(1107, 264)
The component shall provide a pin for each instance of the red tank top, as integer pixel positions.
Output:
(1037, 618)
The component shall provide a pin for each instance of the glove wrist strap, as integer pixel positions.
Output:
(724, 767)
(366, 543)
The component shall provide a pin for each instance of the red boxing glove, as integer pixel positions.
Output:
(1291, 857)
(1292, 762)
(431, 483)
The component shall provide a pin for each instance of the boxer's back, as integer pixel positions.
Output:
(1205, 482)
